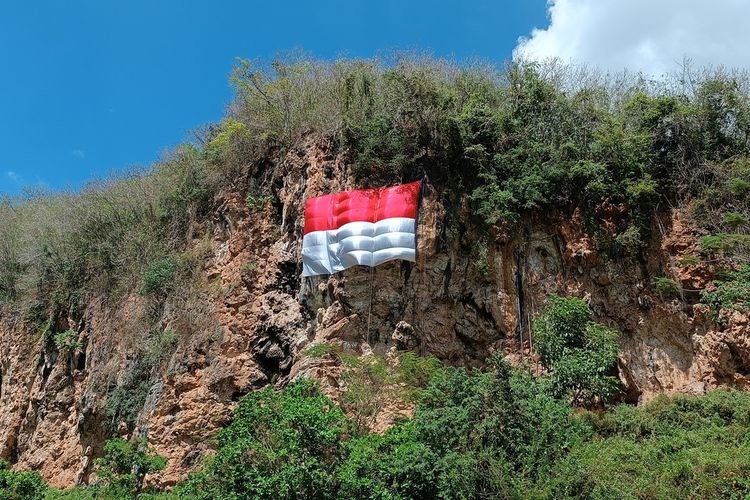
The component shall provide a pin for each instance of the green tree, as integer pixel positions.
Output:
(730, 293)
(21, 485)
(281, 444)
(580, 355)
(121, 471)
(158, 278)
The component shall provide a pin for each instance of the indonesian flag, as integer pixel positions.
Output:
(365, 227)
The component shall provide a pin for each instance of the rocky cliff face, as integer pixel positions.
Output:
(467, 295)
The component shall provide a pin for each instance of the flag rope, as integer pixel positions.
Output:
(369, 308)
(372, 270)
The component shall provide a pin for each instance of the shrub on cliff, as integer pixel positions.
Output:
(504, 417)
(475, 434)
(159, 276)
(281, 444)
(679, 447)
(730, 293)
(121, 471)
(22, 485)
(581, 355)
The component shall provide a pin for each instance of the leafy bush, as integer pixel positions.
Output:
(321, 350)
(279, 445)
(67, 341)
(125, 401)
(20, 485)
(724, 243)
(158, 278)
(257, 197)
(734, 220)
(120, 473)
(689, 260)
(681, 447)
(366, 390)
(580, 355)
(230, 143)
(630, 240)
(666, 286)
(738, 186)
(417, 371)
(160, 347)
(452, 447)
(731, 293)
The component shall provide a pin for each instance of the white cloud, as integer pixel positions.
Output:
(78, 153)
(13, 176)
(653, 36)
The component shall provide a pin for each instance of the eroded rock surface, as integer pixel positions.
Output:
(246, 326)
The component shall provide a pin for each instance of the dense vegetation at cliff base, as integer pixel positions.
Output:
(500, 432)
(505, 149)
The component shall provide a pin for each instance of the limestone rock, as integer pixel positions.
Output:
(250, 322)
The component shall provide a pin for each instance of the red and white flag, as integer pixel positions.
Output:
(363, 227)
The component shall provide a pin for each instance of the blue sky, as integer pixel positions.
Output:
(91, 86)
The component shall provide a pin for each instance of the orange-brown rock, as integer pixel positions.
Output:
(250, 318)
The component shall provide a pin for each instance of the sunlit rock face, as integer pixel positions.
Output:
(251, 315)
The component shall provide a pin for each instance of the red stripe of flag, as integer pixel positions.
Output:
(331, 211)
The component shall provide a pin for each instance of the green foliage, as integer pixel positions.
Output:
(556, 149)
(160, 347)
(417, 371)
(666, 286)
(689, 260)
(409, 126)
(295, 443)
(724, 243)
(366, 391)
(121, 471)
(125, 401)
(738, 186)
(580, 355)
(257, 198)
(67, 341)
(722, 204)
(159, 277)
(681, 447)
(630, 240)
(249, 267)
(730, 293)
(497, 433)
(230, 143)
(279, 445)
(20, 485)
(734, 220)
(561, 325)
(481, 260)
(369, 383)
(101, 238)
(321, 350)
